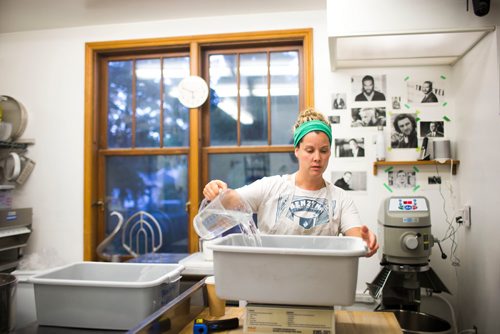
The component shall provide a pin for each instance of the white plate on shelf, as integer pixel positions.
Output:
(13, 112)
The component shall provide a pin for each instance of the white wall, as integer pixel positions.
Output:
(478, 141)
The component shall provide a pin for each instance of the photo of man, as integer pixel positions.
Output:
(404, 133)
(396, 102)
(345, 181)
(339, 101)
(401, 179)
(349, 147)
(334, 119)
(362, 117)
(356, 150)
(349, 180)
(427, 91)
(432, 129)
(429, 96)
(368, 91)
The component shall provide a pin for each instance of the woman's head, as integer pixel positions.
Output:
(310, 120)
(312, 141)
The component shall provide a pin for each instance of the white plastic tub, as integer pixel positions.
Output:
(103, 295)
(288, 269)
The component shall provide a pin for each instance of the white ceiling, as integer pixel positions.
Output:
(24, 15)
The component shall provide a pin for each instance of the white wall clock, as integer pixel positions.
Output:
(193, 91)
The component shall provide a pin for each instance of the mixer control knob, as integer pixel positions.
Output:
(411, 241)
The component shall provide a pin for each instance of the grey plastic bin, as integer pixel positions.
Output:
(288, 269)
(104, 295)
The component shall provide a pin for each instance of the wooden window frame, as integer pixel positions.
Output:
(95, 51)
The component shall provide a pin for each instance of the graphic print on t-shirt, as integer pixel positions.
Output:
(306, 212)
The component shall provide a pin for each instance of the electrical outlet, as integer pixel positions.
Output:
(467, 216)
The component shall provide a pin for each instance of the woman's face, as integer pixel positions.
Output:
(313, 153)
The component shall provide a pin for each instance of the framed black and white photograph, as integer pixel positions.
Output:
(401, 179)
(366, 88)
(349, 180)
(432, 129)
(349, 147)
(404, 131)
(366, 117)
(339, 101)
(334, 119)
(426, 91)
(396, 102)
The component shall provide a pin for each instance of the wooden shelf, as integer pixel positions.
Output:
(381, 164)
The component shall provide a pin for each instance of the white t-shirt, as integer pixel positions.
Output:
(283, 208)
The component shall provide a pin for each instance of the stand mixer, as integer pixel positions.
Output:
(406, 239)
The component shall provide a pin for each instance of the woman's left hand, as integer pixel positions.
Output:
(368, 236)
(371, 240)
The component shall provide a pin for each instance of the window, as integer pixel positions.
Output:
(145, 151)
(143, 113)
(254, 101)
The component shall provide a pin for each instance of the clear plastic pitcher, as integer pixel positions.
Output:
(221, 214)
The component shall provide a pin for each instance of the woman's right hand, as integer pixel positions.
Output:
(213, 188)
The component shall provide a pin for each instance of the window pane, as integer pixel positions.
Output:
(284, 95)
(253, 98)
(242, 168)
(148, 73)
(155, 184)
(120, 104)
(175, 115)
(223, 100)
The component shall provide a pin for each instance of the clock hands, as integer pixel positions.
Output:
(193, 91)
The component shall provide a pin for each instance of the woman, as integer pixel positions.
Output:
(303, 202)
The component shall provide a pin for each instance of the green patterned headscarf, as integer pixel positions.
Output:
(306, 127)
